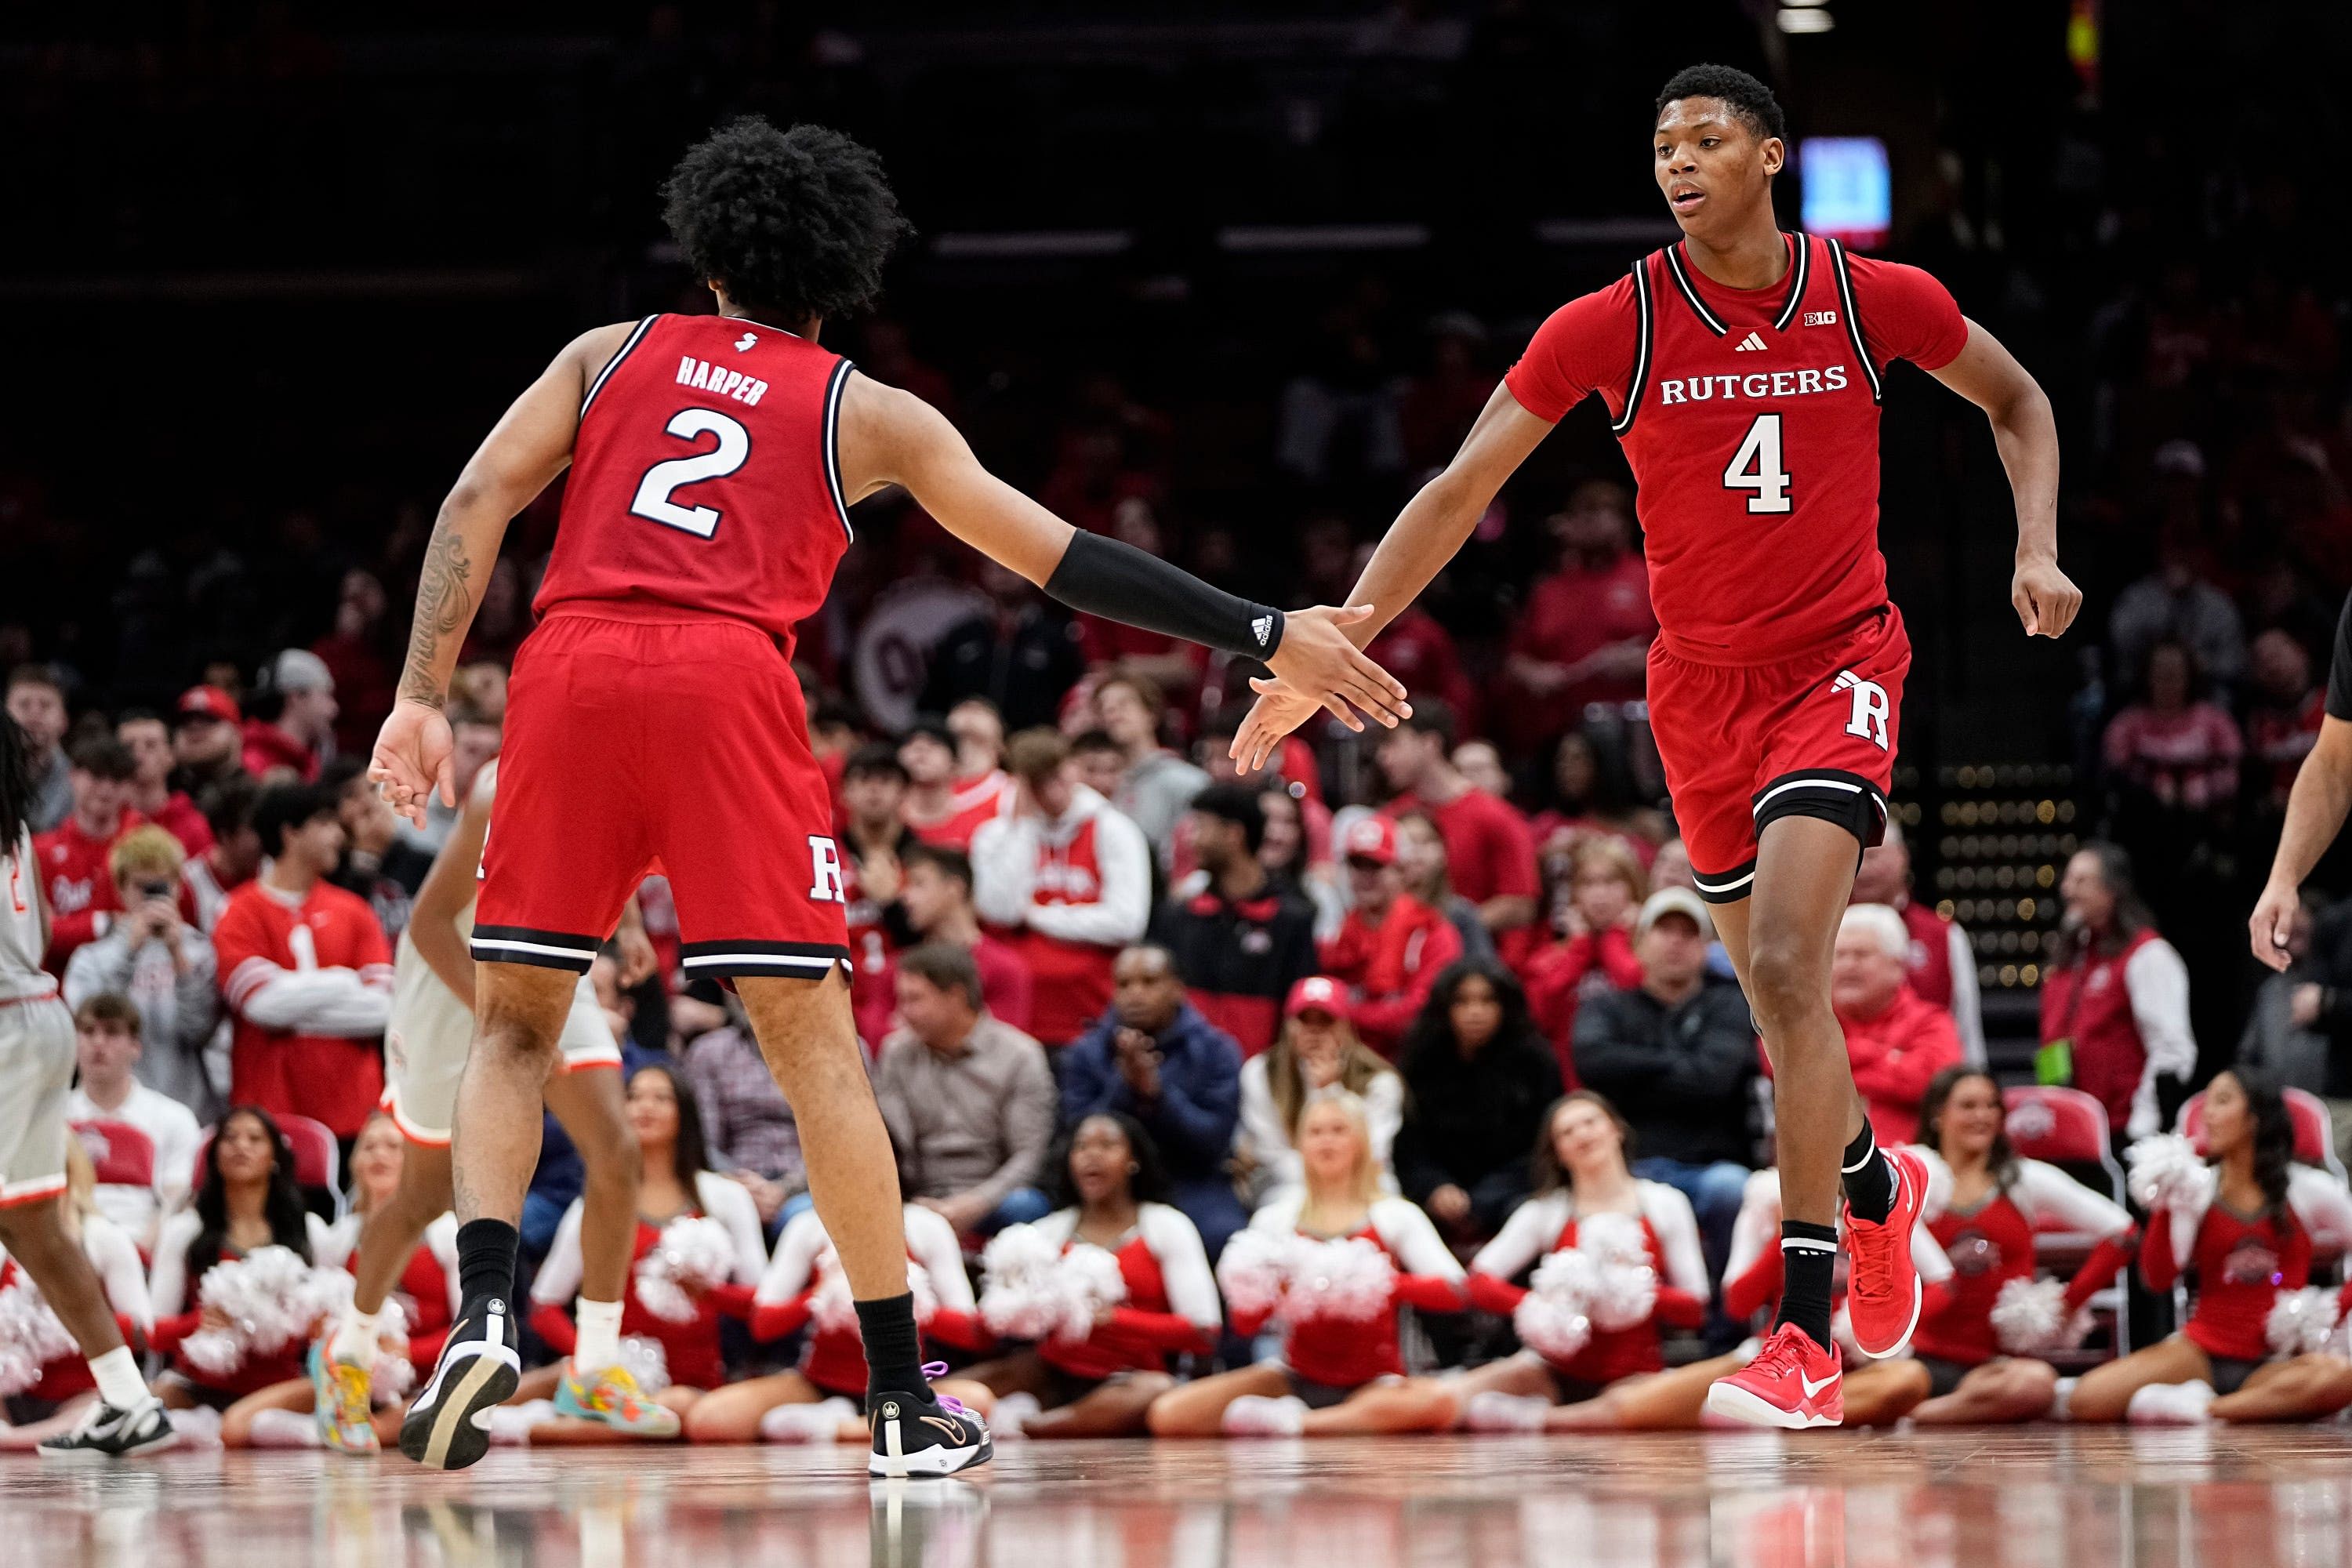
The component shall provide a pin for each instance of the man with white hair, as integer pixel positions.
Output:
(302, 735)
(1896, 1041)
(1941, 960)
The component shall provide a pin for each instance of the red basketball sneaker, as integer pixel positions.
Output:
(1882, 1292)
(1792, 1382)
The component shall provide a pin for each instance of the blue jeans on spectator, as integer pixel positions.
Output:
(1210, 1203)
(1715, 1190)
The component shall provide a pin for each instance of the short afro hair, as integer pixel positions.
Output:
(1750, 99)
(793, 223)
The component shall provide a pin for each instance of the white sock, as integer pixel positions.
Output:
(600, 1337)
(119, 1383)
(355, 1337)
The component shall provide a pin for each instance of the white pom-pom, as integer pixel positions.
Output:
(30, 1336)
(1089, 1280)
(270, 1297)
(2029, 1316)
(2166, 1170)
(1623, 1291)
(1037, 1292)
(833, 1309)
(1253, 1271)
(647, 1362)
(394, 1375)
(2301, 1323)
(1549, 1327)
(1350, 1279)
(694, 1252)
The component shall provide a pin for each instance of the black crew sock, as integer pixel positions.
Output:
(1869, 1178)
(486, 1263)
(894, 1346)
(1807, 1260)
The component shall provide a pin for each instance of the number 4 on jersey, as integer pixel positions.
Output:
(665, 478)
(1757, 466)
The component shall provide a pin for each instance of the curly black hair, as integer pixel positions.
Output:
(792, 223)
(1749, 99)
(1149, 1184)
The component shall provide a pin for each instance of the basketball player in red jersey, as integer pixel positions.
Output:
(1742, 370)
(653, 719)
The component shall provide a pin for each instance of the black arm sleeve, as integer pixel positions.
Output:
(2339, 673)
(1115, 580)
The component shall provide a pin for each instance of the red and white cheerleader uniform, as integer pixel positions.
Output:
(115, 1257)
(690, 1349)
(1330, 1358)
(1548, 1224)
(176, 1299)
(1992, 1244)
(1171, 1307)
(834, 1356)
(2242, 1262)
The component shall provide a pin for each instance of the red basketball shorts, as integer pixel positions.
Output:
(680, 746)
(1743, 744)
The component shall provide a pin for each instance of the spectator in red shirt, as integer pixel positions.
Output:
(939, 808)
(208, 739)
(359, 661)
(1896, 1042)
(874, 840)
(2177, 750)
(1942, 960)
(72, 858)
(978, 732)
(234, 857)
(305, 972)
(1392, 947)
(144, 736)
(1420, 652)
(1585, 635)
(1605, 887)
(2283, 715)
(935, 902)
(300, 735)
(1488, 849)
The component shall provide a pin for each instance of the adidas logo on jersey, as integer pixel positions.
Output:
(1751, 343)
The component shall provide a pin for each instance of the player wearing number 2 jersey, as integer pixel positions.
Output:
(653, 719)
(1742, 368)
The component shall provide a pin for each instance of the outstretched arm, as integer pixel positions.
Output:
(2315, 810)
(1989, 375)
(893, 437)
(1421, 541)
(530, 444)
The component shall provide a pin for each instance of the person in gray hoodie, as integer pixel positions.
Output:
(149, 953)
(1159, 784)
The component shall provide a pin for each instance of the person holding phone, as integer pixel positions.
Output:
(151, 953)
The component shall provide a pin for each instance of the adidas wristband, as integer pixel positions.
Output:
(1115, 580)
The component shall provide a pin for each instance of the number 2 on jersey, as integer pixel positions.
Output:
(1757, 467)
(665, 477)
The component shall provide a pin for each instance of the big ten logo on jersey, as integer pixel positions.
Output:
(1869, 719)
(824, 872)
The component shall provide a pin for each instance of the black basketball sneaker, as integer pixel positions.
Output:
(110, 1432)
(924, 1434)
(449, 1427)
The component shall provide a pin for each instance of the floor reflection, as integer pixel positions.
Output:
(1991, 1499)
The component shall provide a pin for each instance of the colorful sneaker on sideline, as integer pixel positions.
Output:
(339, 1402)
(1883, 1294)
(613, 1398)
(1794, 1383)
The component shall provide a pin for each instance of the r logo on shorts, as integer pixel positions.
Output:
(825, 880)
(1869, 719)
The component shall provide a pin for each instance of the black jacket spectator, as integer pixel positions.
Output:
(1021, 656)
(1478, 1077)
(1241, 939)
(1683, 1075)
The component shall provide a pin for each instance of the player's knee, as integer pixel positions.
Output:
(1786, 985)
(514, 1045)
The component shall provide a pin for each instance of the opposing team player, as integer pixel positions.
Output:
(654, 717)
(37, 1069)
(431, 1023)
(1742, 370)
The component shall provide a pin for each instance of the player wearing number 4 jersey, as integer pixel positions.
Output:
(1742, 368)
(653, 719)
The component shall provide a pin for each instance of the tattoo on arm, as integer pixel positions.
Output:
(444, 605)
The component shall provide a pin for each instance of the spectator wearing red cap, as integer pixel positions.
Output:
(148, 741)
(1317, 1055)
(73, 857)
(207, 739)
(1154, 1058)
(1488, 849)
(300, 735)
(1391, 946)
(1241, 939)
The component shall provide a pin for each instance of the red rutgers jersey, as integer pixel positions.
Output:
(1750, 419)
(704, 476)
